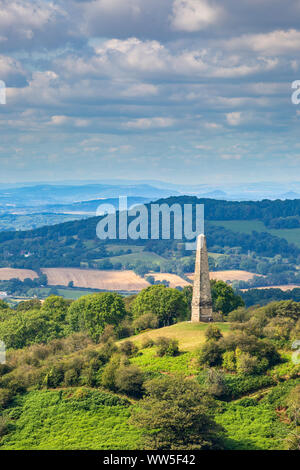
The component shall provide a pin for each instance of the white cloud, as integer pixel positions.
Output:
(149, 123)
(10, 67)
(194, 15)
(274, 43)
(234, 118)
(140, 89)
(212, 125)
(66, 120)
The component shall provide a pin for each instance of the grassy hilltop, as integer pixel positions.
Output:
(80, 374)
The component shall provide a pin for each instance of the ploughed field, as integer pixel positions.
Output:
(11, 273)
(95, 279)
(114, 280)
(230, 275)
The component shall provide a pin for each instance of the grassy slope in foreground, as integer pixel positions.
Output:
(75, 419)
(81, 418)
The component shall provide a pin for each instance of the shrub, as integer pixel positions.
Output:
(129, 379)
(210, 354)
(5, 397)
(246, 364)
(71, 378)
(167, 346)
(240, 315)
(5, 425)
(229, 360)
(216, 383)
(147, 342)
(145, 322)
(213, 332)
(125, 329)
(108, 378)
(128, 348)
(108, 334)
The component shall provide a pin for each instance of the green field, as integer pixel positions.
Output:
(143, 256)
(72, 294)
(117, 248)
(248, 226)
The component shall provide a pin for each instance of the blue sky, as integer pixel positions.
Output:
(186, 91)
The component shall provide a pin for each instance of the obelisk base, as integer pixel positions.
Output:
(203, 314)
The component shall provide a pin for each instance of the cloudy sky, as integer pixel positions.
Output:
(184, 91)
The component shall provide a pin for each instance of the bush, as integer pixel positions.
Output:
(240, 315)
(128, 348)
(213, 332)
(5, 397)
(216, 383)
(129, 379)
(125, 329)
(145, 322)
(167, 346)
(71, 378)
(5, 425)
(147, 342)
(229, 361)
(210, 354)
(246, 364)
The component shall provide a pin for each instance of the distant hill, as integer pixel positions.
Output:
(75, 244)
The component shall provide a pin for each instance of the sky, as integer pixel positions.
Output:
(186, 91)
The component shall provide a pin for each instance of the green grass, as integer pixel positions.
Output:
(143, 256)
(51, 420)
(72, 294)
(247, 226)
(190, 335)
(255, 427)
(116, 248)
(255, 423)
(150, 363)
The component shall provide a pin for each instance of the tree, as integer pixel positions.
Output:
(167, 304)
(224, 298)
(56, 307)
(176, 415)
(93, 312)
(3, 305)
(32, 304)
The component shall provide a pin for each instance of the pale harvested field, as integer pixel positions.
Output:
(9, 273)
(173, 279)
(230, 275)
(95, 279)
(283, 287)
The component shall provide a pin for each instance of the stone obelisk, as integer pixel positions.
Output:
(201, 303)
